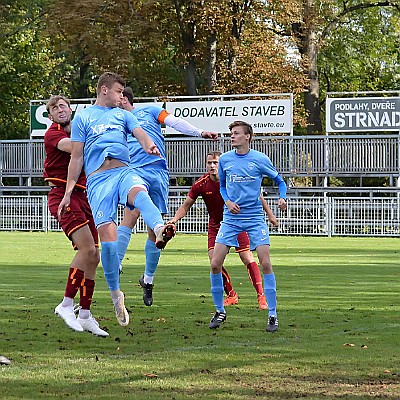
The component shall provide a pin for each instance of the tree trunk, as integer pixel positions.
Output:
(306, 37)
(311, 97)
(190, 77)
(83, 88)
(211, 73)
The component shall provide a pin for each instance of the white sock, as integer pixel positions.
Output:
(148, 279)
(84, 314)
(67, 302)
(157, 228)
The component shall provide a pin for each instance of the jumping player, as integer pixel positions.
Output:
(208, 188)
(241, 172)
(99, 142)
(154, 171)
(77, 222)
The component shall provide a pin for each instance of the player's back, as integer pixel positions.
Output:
(150, 119)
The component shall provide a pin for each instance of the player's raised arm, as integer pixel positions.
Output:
(186, 128)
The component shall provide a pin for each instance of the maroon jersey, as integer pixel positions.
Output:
(56, 162)
(210, 192)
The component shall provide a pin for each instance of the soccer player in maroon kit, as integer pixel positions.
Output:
(77, 222)
(208, 188)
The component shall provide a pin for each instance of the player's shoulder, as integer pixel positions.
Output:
(257, 154)
(202, 180)
(227, 155)
(147, 109)
(54, 131)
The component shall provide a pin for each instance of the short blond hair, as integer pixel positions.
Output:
(54, 100)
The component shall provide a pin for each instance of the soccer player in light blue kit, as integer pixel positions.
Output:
(154, 171)
(99, 143)
(241, 172)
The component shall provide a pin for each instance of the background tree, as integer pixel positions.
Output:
(27, 65)
(195, 47)
(311, 24)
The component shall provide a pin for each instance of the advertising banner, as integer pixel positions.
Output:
(363, 114)
(265, 116)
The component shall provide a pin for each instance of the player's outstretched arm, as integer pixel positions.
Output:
(182, 210)
(186, 128)
(209, 135)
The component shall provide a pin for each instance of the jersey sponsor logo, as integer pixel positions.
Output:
(99, 129)
(241, 179)
(99, 214)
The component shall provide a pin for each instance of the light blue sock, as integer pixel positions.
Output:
(124, 237)
(270, 293)
(217, 291)
(150, 213)
(152, 257)
(110, 262)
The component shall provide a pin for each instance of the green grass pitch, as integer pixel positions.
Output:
(338, 338)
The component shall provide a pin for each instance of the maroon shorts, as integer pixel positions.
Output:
(243, 240)
(78, 213)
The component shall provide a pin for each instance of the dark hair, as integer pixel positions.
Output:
(108, 79)
(214, 153)
(128, 93)
(248, 129)
(54, 100)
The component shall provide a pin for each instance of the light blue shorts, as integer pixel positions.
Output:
(109, 188)
(157, 180)
(257, 229)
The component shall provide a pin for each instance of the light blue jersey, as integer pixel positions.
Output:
(240, 180)
(104, 131)
(150, 119)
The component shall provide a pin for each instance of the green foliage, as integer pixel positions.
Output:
(166, 48)
(28, 66)
(338, 326)
(369, 59)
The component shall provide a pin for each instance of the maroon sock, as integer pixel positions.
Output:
(255, 277)
(227, 283)
(74, 281)
(87, 289)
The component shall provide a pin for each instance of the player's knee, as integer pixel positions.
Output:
(246, 257)
(91, 254)
(216, 268)
(266, 267)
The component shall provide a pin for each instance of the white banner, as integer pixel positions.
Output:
(265, 116)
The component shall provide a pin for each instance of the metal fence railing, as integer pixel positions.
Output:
(322, 216)
(330, 155)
